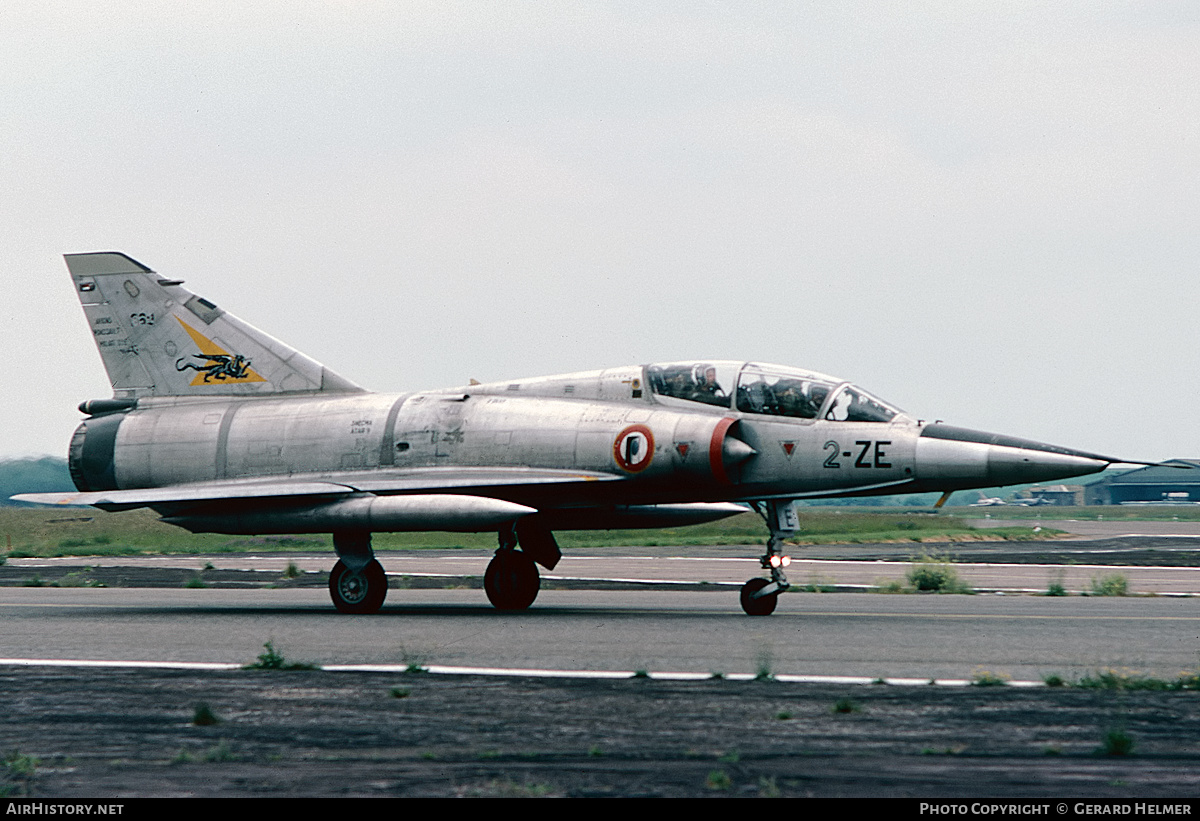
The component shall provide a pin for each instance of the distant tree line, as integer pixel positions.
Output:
(45, 474)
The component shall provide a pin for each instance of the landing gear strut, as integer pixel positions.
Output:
(357, 583)
(511, 580)
(759, 596)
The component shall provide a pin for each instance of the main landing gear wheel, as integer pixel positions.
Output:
(511, 580)
(361, 592)
(763, 605)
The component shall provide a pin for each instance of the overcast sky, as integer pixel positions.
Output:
(987, 213)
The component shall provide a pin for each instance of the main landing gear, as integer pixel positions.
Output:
(357, 583)
(511, 580)
(759, 596)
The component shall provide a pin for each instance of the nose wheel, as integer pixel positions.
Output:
(755, 602)
(760, 596)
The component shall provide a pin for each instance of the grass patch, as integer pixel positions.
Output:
(1112, 584)
(219, 753)
(44, 532)
(763, 669)
(507, 788)
(1056, 586)
(203, 716)
(935, 573)
(18, 773)
(718, 780)
(78, 578)
(1128, 680)
(1115, 741)
(986, 678)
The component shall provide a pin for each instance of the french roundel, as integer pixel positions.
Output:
(634, 448)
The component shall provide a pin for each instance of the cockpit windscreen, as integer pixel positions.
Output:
(773, 390)
(856, 405)
(781, 394)
(706, 382)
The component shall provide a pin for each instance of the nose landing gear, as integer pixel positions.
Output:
(759, 596)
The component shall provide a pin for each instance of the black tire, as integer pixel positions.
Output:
(511, 580)
(763, 605)
(358, 593)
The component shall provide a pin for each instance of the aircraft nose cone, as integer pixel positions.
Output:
(962, 458)
(1017, 466)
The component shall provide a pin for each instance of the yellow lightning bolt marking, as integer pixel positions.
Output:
(210, 348)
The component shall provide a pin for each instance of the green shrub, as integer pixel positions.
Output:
(933, 572)
(1114, 584)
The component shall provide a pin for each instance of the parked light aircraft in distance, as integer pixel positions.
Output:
(219, 427)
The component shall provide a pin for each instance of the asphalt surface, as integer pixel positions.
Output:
(114, 731)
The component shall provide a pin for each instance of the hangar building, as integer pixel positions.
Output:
(1148, 485)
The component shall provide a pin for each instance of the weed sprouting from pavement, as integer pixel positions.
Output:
(292, 571)
(221, 752)
(1115, 741)
(1113, 584)
(718, 780)
(986, 678)
(399, 692)
(846, 705)
(1056, 586)
(934, 572)
(1127, 680)
(19, 770)
(763, 666)
(203, 716)
(507, 788)
(272, 659)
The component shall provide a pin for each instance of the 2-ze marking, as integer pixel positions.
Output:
(871, 454)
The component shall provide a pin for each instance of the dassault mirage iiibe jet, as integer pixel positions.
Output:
(221, 428)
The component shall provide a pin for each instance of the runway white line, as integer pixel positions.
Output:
(512, 672)
(150, 665)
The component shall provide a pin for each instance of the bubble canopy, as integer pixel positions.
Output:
(771, 390)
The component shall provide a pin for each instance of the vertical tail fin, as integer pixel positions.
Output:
(159, 339)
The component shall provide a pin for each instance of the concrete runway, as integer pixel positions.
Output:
(922, 636)
(723, 566)
(656, 629)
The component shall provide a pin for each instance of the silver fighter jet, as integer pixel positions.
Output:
(219, 427)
